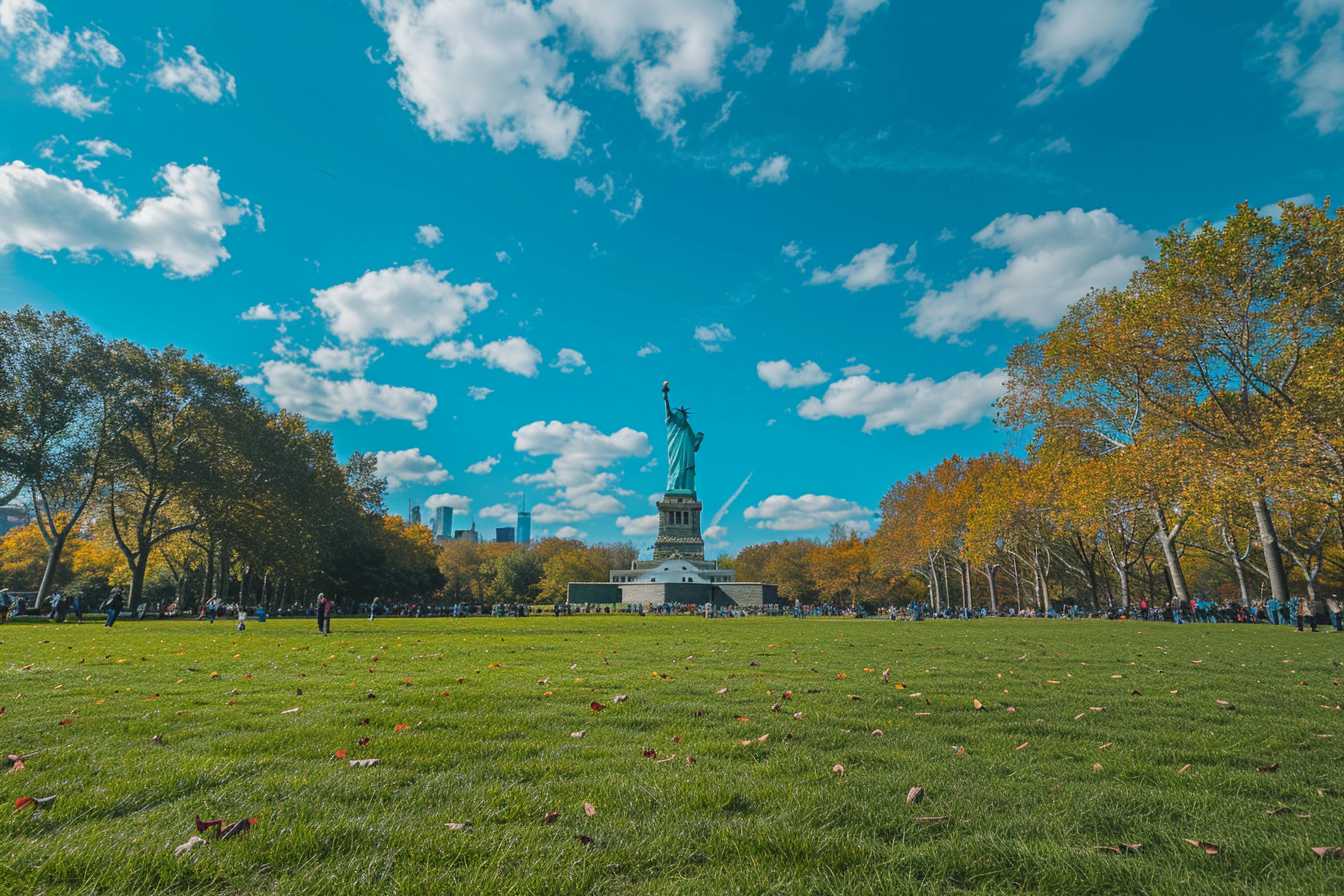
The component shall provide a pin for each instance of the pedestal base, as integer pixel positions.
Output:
(679, 528)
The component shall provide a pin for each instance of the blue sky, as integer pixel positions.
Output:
(477, 235)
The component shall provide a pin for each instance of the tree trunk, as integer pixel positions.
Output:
(993, 589)
(1278, 578)
(1176, 575)
(53, 564)
(1122, 570)
(1017, 584)
(138, 568)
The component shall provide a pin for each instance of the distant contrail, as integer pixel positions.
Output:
(729, 503)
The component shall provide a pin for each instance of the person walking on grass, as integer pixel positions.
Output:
(113, 606)
(324, 605)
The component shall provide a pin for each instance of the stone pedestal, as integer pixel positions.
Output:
(679, 528)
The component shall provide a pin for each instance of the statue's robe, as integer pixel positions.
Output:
(682, 443)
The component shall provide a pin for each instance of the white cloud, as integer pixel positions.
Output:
(741, 168)
(515, 354)
(638, 525)
(1092, 32)
(797, 253)
(466, 67)
(570, 532)
(568, 360)
(1059, 146)
(915, 405)
(578, 472)
(501, 512)
(428, 235)
(502, 257)
(781, 513)
(71, 100)
(856, 370)
(40, 53)
(842, 24)
(483, 466)
(499, 67)
(352, 359)
(303, 390)
(675, 48)
(414, 304)
(183, 230)
(95, 151)
(461, 504)
(725, 112)
(409, 466)
(783, 375)
(263, 311)
(192, 75)
(1055, 260)
(754, 59)
(716, 535)
(479, 393)
(868, 269)
(774, 170)
(712, 336)
(647, 349)
(1311, 58)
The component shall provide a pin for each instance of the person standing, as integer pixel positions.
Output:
(324, 608)
(113, 606)
(1333, 604)
(77, 605)
(1305, 613)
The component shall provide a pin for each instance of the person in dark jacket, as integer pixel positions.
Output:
(113, 605)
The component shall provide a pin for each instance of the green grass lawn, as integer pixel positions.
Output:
(1115, 736)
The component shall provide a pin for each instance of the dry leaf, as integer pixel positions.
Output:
(1329, 852)
(363, 742)
(458, 825)
(914, 795)
(399, 727)
(1122, 849)
(798, 717)
(579, 733)
(184, 848)
(1183, 769)
(721, 691)
(290, 711)
(1096, 766)
(342, 753)
(1105, 746)
(838, 769)
(1209, 848)
(877, 732)
(1265, 769)
(589, 809)
(650, 754)
(886, 675)
(978, 705)
(1023, 745)
(550, 818)
(931, 819)
(584, 839)
(241, 826)
(596, 707)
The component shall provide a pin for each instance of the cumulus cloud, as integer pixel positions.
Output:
(774, 170)
(781, 513)
(568, 360)
(712, 336)
(578, 474)
(483, 466)
(638, 525)
(499, 68)
(1310, 56)
(304, 390)
(783, 375)
(514, 355)
(570, 532)
(331, 359)
(754, 59)
(263, 311)
(190, 74)
(647, 349)
(501, 512)
(183, 230)
(409, 466)
(1054, 260)
(842, 23)
(479, 393)
(428, 235)
(870, 268)
(95, 151)
(915, 405)
(41, 54)
(414, 304)
(1093, 33)
(460, 503)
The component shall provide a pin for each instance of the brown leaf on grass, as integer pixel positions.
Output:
(787, 695)
(878, 732)
(742, 718)
(958, 750)
(157, 740)
(914, 795)
(1079, 716)
(1266, 769)
(838, 769)
(363, 742)
(1105, 746)
(589, 809)
(886, 675)
(1023, 745)
(1225, 704)
(203, 826)
(65, 722)
(241, 826)
(16, 765)
(1279, 810)
(1011, 709)
(596, 707)
(584, 840)
(550, 817)
(290, 711)
(342, 753)
(932, 819)
(400, 727)
(841, 676)
(650, 754)
(580, 733)
(1209, 848)
(762, 739)
(978, 705)
(1096, 766)
(1329, 852)
(1183, 769)
(1121, 849)
(458, 825)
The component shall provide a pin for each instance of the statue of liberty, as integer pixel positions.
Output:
(682, 443)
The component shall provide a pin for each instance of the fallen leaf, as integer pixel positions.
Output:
(886, 675)
(241, 826)
(399, 727)
(931, 819)
(978, 705)
(342, 753)
(914, 795)
(1105, 746)
(290, 711)
(584, 839)
(1122, 849)
(762, 739)
(650, 754)
(596, 707)
(1183, 769)
(184, 848)
(1096, 766)
(363, 742)
(64, 722)
(1265, 769)
(458, 825)
(620, 698)
(1209, 848)
(1023, 745)
(798, 717)
(589, 809)
(721, 691)
(1329, 852)
(1225, 704)
(877, 732)
(958, 751)
(550, 818)
(838, 769)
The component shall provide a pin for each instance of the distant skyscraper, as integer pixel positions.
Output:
(504, 535)
(443, 523)
(470, 535)
(415, 514)
(523, 531)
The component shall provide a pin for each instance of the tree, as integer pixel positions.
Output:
(571, 564)
(54, 420)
